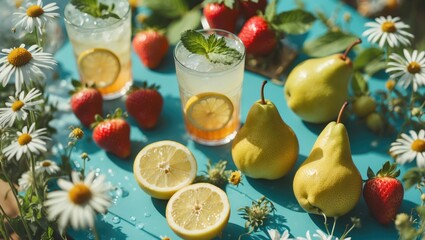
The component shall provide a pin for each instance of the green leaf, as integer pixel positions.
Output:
(270, 11)
(190, 20)
(329, 43)
(169, 8)
(412, 177)
(375, 66)
(366, 56)
(214, 48)
(359, 84)
(370, 173)
(97, 10)
(294, 22)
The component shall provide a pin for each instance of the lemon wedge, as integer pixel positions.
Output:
(99, 66)
(209, 111)
(161, 168)
(198, 211)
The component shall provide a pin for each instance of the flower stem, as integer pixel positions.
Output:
(3, 227)
(5, 216)
(37, 37)
(95, 233)
(333, 226)
(34, 176)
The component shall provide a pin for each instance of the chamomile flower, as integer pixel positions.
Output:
(407, 148)
(18, 107)
(36, 16)
(47, 166)
(28, 141)
(320, 235)
(24, 64)
(408, 70)
(26, 181)
(275, 235)
(78, 201)
(388, 30)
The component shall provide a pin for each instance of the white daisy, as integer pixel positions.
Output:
(78, 201)
(18, 107)
(24, 64)
(36, 16)
(26, 181)
(410, 69)
(320, 235)
(275, 235)
(388, 30)
(407, 148)
(28, 141)
(47, 166)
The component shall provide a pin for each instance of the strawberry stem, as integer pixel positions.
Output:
(344, 56)
(263, 101)
(341, 111)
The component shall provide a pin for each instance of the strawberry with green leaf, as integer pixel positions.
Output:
(213, 47)
(113, 134)
(221, 14)
(383, 193)
(261, 34)
(86, 102)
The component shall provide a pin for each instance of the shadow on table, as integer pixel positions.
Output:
(280, 191)
(159, 205)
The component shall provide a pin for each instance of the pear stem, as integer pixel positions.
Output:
(344, 56)
(341, 111)
(263, 101)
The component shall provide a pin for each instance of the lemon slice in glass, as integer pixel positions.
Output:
(209, 111)
(161, 168)
(198, 211)
(99, 66)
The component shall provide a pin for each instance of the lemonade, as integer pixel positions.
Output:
(210, 92)
(89, 34)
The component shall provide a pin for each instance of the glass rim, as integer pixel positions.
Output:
(121, 19)
(234, 36)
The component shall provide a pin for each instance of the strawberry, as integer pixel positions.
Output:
(250, 8)
(145, 104)
(383, 193)
(86, 102)
(113, 134)
(151, 46)
(258, 36)
(221, 14)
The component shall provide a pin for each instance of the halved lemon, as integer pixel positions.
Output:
(99, 66)
(198, 211)
(161, 168)
(209, 111)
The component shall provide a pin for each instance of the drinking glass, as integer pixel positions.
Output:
(87, 34)
(210, 92)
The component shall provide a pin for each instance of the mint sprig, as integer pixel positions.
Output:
(94, 8)
(214, 48)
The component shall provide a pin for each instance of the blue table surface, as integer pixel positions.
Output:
(135, 215)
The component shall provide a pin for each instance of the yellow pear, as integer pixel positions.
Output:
(265, 147)
(316, 88)
(328, 181)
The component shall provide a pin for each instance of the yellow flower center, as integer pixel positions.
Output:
(76, 133)
(24, 139)
(388, 27)
(418, 145)
(17, 105)
(46, 164)
(414, 67)
(235, 178)
(390, 84)
(80, 194)
(34, 11)
(19, 56)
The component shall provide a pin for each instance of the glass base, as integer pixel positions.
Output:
(122, 92)
(218, 142)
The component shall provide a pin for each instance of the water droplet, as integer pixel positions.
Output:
(97, 170)
(133, 218)
(374, 143)
(116, 220)
(126, 178)
(134, 189)
(90, 235)
(140, 225)
(121, 192)
(146, 214)
(111, 172)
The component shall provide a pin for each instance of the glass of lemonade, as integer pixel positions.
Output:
(102, 47)
(210, 92)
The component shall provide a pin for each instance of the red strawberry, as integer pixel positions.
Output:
(250, 8)
(383, 193)
(221, 14)
(151, 46)
(145, 105)
(258, 37)
(86, 102)
(113, 134)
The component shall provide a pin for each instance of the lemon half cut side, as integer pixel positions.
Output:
(198, 211)
(99, 66)
(161, 168)
(209, 111)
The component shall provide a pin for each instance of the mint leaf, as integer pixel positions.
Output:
(294, 22)
(189, 20)
(359, 84)
(97, 10)
(366, 56)
(213, 48)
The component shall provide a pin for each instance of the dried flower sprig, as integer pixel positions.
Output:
(257, 214)
(215, 174)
